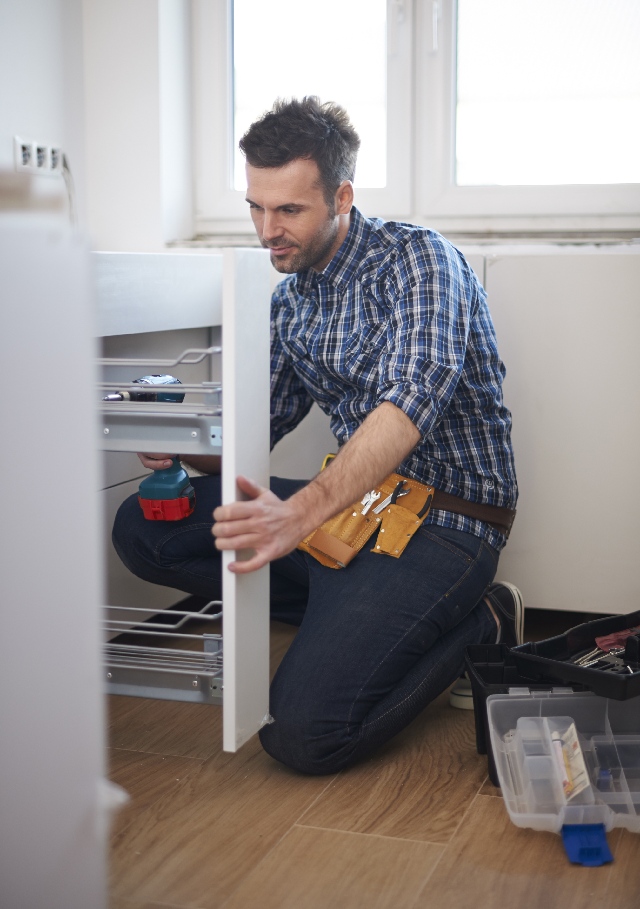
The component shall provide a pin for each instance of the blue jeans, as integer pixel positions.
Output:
(377, 641)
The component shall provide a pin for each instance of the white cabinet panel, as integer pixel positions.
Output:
(245, 451)
(568, 328)
(143, 292)
(53, 826)
(120, 467)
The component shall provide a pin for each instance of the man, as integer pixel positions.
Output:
(386, 327)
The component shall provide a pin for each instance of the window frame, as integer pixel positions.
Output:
(222, 209)
(420, 143)
(572, 207)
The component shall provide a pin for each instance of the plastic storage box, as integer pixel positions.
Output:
(525, 731)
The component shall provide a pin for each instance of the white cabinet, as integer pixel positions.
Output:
(168, 294)
(568, 324)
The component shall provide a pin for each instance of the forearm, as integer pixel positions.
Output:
(272, 527)
(380, 444)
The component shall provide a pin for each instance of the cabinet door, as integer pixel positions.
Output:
(245, 451)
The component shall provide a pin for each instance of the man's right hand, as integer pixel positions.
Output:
(207, 464)
(155, 461)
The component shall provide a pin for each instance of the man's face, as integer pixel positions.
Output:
(291, 216)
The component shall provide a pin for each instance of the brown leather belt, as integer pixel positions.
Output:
(500, 518)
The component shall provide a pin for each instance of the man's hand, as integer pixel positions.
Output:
(203, 463)
(155, 461)
(264, 523)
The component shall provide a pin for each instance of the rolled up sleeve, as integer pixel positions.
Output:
(427, 335)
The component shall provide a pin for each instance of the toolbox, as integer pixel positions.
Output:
(528, 733)
(559, 657)
(492, 669)
(559, 721)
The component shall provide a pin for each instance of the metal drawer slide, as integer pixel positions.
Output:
(172, 670)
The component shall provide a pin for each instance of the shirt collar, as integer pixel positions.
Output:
(342, 267)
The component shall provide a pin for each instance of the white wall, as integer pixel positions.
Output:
(41, 84)
(137, 88)
(31, 74)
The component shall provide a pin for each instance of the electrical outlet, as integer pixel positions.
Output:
(37, 157)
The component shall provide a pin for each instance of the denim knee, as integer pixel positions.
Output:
(303, 746)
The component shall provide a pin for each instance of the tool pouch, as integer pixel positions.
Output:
(336, 542)
(398, 526)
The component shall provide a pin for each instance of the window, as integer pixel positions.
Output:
(355, 52)
(528, 114)
(548, 92)
(475, 115)
(273, 56)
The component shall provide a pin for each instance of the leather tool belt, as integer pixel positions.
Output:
(336, 542)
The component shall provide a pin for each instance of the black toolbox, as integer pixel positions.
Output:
(542, 659)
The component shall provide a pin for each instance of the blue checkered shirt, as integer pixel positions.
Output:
(398, 315)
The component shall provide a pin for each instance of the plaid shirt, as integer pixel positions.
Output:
(399, 316)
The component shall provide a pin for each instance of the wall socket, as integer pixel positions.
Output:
(37, 157)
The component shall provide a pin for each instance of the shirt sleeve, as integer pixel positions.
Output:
(290, 400)
(431, 301)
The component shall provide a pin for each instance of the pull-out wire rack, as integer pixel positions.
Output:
(150, 654)
(192, 426)
(183, 665)
(224, 297)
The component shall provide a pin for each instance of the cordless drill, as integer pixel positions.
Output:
(165, 495)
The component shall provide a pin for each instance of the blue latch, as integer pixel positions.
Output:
(586, 844)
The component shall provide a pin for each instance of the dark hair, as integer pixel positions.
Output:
(305, 129)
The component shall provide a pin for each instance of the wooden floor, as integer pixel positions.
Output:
(419, 825)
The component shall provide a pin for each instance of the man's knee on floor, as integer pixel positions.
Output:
(308, 747)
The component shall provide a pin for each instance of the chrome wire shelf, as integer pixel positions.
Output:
(165, 672)
(188, 357)
(191, 427)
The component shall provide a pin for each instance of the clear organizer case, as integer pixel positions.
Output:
(531, 735)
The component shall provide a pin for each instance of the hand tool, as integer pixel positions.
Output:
(393, 498)
(167, 495)
(369, 499)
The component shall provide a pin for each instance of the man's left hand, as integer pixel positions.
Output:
(264, 523)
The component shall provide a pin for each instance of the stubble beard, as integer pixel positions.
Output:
(317, 250)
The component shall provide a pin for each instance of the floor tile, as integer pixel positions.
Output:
(416, 788)
(321, 869)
